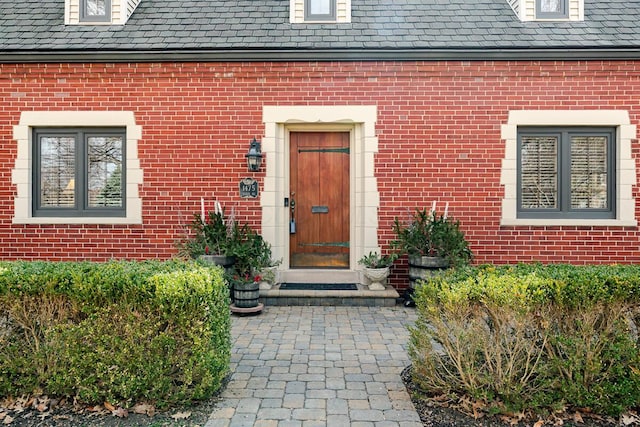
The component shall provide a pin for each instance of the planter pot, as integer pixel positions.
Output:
(222, 260)
(422, 268)
(246, 295)
(269, 277)
(377, 277)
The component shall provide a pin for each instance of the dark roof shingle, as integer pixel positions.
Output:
(38, 26)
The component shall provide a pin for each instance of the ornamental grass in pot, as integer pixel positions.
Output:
(433, 242)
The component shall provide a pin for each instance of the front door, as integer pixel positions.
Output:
(319, 200)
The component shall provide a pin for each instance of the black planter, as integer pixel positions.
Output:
(222, 260)
(422, 268)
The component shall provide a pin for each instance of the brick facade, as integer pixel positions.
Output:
(438, 129)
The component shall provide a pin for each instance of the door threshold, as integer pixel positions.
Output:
(318, 276)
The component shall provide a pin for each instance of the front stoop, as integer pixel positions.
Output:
(361, 297)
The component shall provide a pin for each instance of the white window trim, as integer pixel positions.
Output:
(21, 174)
(297, 15)
(626, 176)
(121, 11)
(526, 11)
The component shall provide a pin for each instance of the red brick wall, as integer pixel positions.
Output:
(438, 127)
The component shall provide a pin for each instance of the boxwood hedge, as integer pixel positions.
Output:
(120, 331)
(531, 337)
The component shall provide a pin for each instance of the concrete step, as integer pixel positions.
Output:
(308, 297)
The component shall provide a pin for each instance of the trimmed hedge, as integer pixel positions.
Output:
(531, 337)
(121, 332)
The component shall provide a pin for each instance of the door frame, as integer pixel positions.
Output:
(364, 198)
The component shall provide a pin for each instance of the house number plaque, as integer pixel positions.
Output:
(249, 188)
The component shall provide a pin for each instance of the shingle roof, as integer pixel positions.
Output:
(30, 26)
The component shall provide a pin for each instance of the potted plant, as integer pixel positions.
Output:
(262, 262)
(376, 268)
(216, 240)
(433, 242)
(246, 290)
(238, 248)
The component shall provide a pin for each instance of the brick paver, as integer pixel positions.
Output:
(318, 365)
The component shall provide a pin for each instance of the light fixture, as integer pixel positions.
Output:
(254, 156)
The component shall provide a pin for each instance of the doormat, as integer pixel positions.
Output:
(319, 287)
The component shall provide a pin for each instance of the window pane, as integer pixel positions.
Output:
(539, 172)
(57, 171)
(551, 6)
(104, 171)
(320, 7)
(589, 174)
(96, 7)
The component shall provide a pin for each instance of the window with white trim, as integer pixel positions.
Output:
(100, 198)
(552, 9)
(319, 10)
(621, 173)
(95, 10)
(566, 173)
(79, 172)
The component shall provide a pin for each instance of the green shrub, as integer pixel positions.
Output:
(119, 332)
(531, 336)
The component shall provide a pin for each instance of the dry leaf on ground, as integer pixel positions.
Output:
(181, 415)
(120, 412)
(144, 408)
(629, 419)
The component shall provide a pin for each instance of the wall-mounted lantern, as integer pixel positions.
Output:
(254, 156)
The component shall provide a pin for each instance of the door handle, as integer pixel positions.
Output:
(292, 221)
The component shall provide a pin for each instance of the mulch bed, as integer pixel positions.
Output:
(436, 411)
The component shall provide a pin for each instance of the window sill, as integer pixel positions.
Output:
(78, 220)
(568, 222)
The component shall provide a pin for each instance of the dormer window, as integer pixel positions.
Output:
(552, 9)
(98, 12)
(548, 10)
(320, 10)
(95, 10)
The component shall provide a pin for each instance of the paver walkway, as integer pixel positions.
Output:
(318, 366)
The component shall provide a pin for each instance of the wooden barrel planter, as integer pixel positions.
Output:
(422, 268)
(246, 294)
